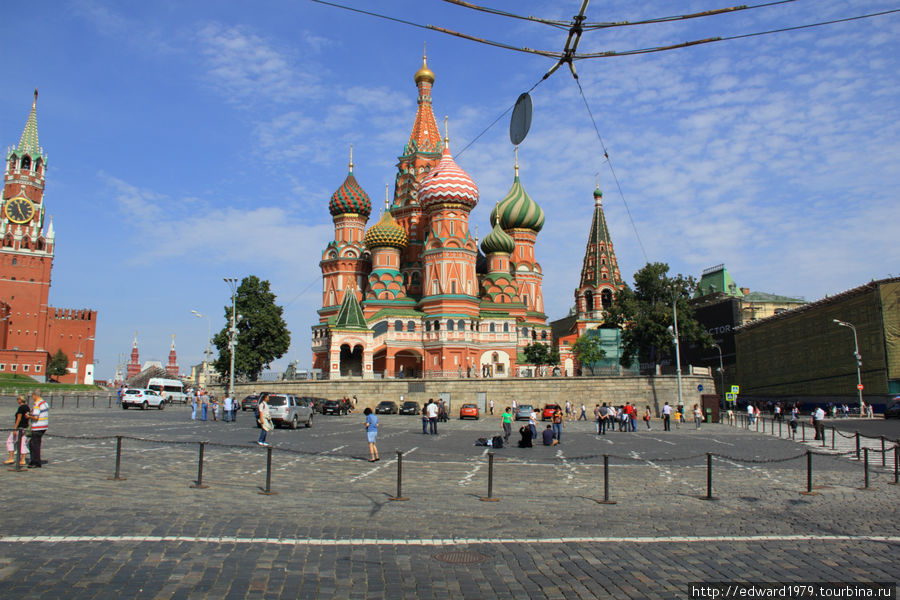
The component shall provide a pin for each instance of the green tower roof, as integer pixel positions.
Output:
(28, 143)
(350, 315)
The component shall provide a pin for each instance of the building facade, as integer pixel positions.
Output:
(415, 295)
(32, 331)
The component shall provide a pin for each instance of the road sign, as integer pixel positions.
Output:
(700, 388)
(859, 387)
(735, 389)
(729, 397)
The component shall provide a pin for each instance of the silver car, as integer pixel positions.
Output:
(286, 410)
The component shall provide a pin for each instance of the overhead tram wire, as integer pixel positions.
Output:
(503, 13)
(705, 13)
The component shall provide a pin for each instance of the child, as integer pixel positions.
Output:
(677, 417)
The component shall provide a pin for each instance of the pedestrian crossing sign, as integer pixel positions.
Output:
(729, 397)
(735, 389)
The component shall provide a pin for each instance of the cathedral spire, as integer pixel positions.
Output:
(600, 266)
(425, 136)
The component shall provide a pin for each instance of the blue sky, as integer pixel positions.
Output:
(192, 141)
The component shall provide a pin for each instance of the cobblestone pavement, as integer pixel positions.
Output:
(331, 530)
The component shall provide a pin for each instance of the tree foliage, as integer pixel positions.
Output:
(540, 354)
(646, 314)
(587, 351)
(58, 365)
(262, 334)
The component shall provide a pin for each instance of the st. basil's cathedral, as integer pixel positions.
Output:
(416, 295)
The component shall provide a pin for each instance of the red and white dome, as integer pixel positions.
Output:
(447, 184)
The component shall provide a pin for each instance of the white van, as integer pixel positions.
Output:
(170, 389)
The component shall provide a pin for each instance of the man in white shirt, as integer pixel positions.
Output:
(532, 422)
(228, 406)
(667, 417)
(819, 423)
(432, 412)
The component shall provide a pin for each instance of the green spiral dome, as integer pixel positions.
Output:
(498, 241)
(518, 211)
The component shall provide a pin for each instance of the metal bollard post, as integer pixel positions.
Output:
(866, 469)
(832, 438)
(803, 429)
(490, 496)
(199, 485)
(18, 454)
(77, 401)
(896, 465)
(399, 497)
(268, 491)
(116, 477)
(883, 457)
(606, 499)
(779, 427)
(757, 424)
(708, 495)
(809, 486)
(857, 445)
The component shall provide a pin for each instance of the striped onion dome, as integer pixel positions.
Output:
(517, 210)
(498, 241)
(386, 232)
(447, 183)
(350, 198)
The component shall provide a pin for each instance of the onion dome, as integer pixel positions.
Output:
(350, 197)
(498, 241)
(597, 193)
(447, 183)
(517, 210)
(424, 73)
(386, 232)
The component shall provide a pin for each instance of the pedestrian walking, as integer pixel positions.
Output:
(371, 433)
(40, 421)
(818, 422)
(667, 417)
(558, 425)
(204, 405)
(698, 416)
(433, 412)
(425, 416)
(492, 406)
(647, 419)
(265, 422)
(193, 407)
(583, 415)
(20, 424)
(598, 416)
(506, 421)
(228, 406)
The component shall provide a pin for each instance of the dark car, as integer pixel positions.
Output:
(892, 411)
(386, 407)
(250, 402)
(336, 407)
(409, 408)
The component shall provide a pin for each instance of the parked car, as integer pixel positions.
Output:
(143, 398)
(548, 411)
(288, 411)
(523, 412)
(410, 408)
(468, 411)
(250, 402)
(336, 407)
(892, 410)
(386, 407)
(314, 403)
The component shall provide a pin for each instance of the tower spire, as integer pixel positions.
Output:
(351, 158)
(516, 153)
(28, 143)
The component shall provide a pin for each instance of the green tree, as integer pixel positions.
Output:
(262, 334)
(587, 351)
(538, 354)
(645, 313)
(58, 365)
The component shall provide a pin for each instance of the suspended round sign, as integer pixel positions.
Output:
(520, 122)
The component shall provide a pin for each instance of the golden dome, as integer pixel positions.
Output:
(424, 73)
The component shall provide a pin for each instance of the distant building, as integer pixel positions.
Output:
(600, 282)
(803, 355)
(31, 331)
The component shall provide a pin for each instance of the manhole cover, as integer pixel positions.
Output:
(461, 557)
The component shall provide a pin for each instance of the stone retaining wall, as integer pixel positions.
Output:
(640, 390)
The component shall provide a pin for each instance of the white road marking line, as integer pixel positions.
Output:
(663, 441)
(720, 442)
(467, 478)
(106, 539)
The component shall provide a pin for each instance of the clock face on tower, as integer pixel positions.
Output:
(19, 210)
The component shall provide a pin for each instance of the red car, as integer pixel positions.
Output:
(548, 411)
(468, 411)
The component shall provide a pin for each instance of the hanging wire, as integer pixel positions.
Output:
(494, 11)
(705, 13)
(612, 170)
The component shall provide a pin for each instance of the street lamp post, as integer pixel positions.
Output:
(677, 347)
(208, 351)
(232, 340)
(721, 373)
(856, 355)
(78, 355)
